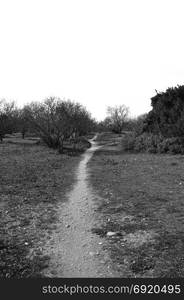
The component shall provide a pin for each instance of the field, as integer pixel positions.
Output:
(139, 207)
(142, 203)
(33, 180)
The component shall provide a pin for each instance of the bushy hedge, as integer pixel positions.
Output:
(152, 143)
(167, 115)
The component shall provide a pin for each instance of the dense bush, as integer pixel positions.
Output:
(162, 129)
(167, 115)
(173, 145)
(152, 143)
(128, 141)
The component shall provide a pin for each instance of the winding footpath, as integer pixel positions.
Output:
(74, 250)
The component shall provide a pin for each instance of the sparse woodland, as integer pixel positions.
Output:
(58, 122)
(55, 121)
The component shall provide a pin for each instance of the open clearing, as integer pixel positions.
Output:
(101, 214)
(142, 200)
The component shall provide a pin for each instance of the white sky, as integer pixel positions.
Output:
(97, 52)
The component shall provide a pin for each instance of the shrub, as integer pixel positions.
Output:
(128, 141)
(147, 143)
(153, 144)
(167, 114)
(173, 145)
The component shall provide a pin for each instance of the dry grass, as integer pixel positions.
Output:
(143, 202)
(33, 181)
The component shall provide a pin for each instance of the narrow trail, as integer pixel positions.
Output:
(74, 250)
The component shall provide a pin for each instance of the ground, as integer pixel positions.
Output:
(125, 210)
(33, 180)
(142, 202)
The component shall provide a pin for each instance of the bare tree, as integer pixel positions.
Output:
(56, 121)
(53, 120)
(7, 118)
(117, 117)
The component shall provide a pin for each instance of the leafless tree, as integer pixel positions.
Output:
(56, 121)
(117, 116)
(7, 118)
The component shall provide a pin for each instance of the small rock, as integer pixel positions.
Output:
(111, 233)
(68, 225)
(26, 243)
(100, 243)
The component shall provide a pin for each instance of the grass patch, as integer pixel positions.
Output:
(33, 181)
(141, 193)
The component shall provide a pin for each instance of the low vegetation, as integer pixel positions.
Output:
(34, 179)
(152, 143)
(142, 203)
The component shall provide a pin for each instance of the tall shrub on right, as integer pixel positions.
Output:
(162, 129)
(167, 115)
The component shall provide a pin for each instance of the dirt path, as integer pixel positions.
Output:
(74, 250)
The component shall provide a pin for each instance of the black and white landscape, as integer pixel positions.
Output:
(91, 139)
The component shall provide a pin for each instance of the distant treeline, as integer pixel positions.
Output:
(56, 121)
(53, 120)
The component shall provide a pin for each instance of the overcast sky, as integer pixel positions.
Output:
(97, 52)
